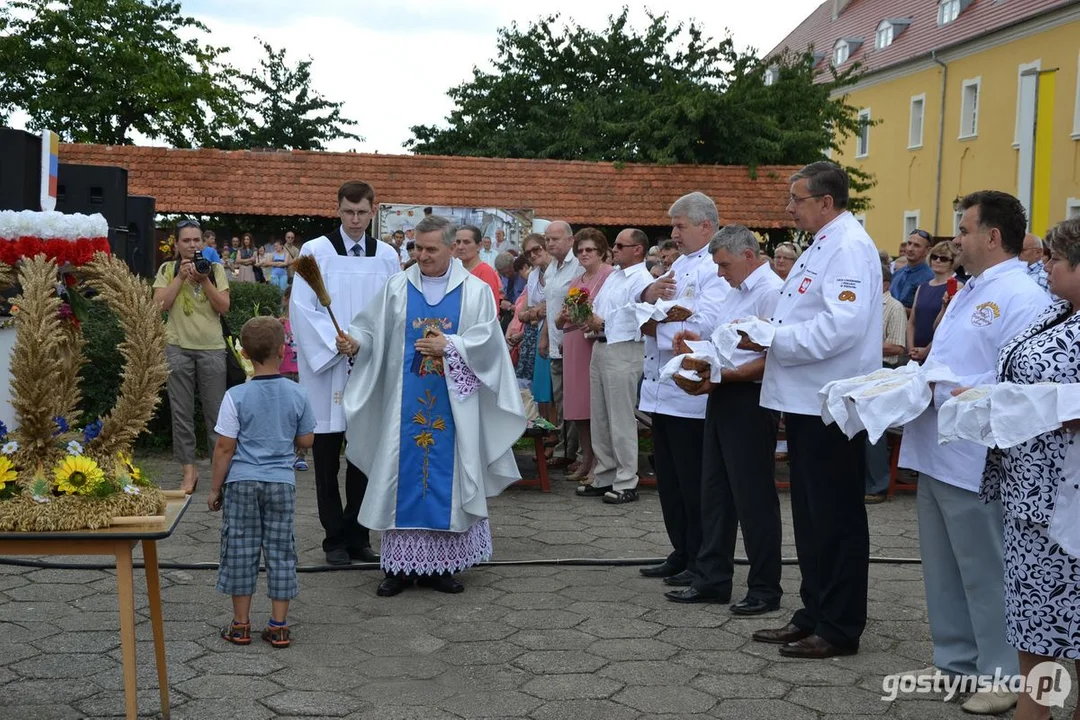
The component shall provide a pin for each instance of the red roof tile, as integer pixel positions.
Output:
(859, 19)
(306, 183)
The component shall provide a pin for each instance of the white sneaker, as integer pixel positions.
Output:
(989, 702)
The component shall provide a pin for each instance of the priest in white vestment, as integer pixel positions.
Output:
(354, 267)
(433, 412)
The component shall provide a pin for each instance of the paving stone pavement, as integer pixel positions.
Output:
(528, 639)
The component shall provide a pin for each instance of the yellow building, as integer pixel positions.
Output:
(964, 95)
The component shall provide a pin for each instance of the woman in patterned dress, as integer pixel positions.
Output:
(1042, 581)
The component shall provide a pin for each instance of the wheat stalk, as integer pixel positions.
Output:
(307, 267)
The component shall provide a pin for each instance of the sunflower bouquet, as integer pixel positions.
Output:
(577, 305)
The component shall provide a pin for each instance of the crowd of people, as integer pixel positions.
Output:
(559, 319)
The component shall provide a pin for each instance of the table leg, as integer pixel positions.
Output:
(153, 594)
(126, 590)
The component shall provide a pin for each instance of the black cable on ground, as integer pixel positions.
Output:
(567, 562)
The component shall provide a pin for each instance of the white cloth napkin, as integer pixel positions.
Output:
(674, 367)
(890, 397)
(726, 337)
(644, 312)
(1007, 414)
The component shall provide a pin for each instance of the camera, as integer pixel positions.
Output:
(202, 265)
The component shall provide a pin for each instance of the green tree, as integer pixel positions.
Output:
(282, 111)
(99, 70)
(667, 94)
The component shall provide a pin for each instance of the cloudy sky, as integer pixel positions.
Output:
(392, 62)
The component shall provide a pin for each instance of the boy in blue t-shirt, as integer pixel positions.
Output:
(259, 426)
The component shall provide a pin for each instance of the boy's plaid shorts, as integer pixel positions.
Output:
(258, 516)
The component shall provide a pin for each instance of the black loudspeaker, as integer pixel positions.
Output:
(90, 189)
(139, 244)
(20, 170)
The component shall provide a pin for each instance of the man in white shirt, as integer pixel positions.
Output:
(487, 254)
(960, 536)
(563, 269)
(615, 371)
(678, 428)
(354, 268)
(738, 488)
(1032, 255)
(502, 244)
(828, 327)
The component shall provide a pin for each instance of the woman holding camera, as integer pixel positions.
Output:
(195, 294)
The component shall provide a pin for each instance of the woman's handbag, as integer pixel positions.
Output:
(234, 370)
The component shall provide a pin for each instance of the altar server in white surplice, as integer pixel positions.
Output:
(433, 411)
(354, 268)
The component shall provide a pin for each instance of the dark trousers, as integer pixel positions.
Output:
(343, 532)
(677, 452)
(738, 489)
(831, 533)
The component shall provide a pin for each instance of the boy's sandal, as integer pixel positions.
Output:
(237, 633)
(277, 636)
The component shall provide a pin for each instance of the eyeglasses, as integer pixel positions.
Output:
(187, 223)
(534, 250)
(941, 258)
(790, 258)
(921, 233)
(621, 246)
(583, 250)
(795, 199)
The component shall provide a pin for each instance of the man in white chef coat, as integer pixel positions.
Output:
(828, 327)
(354, 267)
(678, 428)
(960, 536)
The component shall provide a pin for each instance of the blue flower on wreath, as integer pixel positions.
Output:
(3, 430)
(92, 430)
(61, 426)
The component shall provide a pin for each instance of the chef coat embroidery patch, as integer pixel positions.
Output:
(805, 285)
(985, 314)
(846, 296)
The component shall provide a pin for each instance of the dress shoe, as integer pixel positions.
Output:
(780, 636)
(753, 606)
(663, 570)
(989, 702)
(683, 579)
(590, 490)
(393, 585)
(444, 583)
(338, 556)
(364, 554)
(693, 595)
(814, 647)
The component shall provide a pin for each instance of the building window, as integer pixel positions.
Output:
(957, 217)
(1076, 111)
(1072, 208)
(969, 108)
(1026, 78)
(948, 10)
(841, 52)
(915, 123)
(884, 36)
(771, 76)
(911, 222)
(861, 219)
(862, 139)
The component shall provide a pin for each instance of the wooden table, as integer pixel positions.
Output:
(117, 541)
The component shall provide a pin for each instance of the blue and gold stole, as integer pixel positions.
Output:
(426, 463)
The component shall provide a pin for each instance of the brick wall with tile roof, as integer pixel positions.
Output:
(860, 19)
(306, 183)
